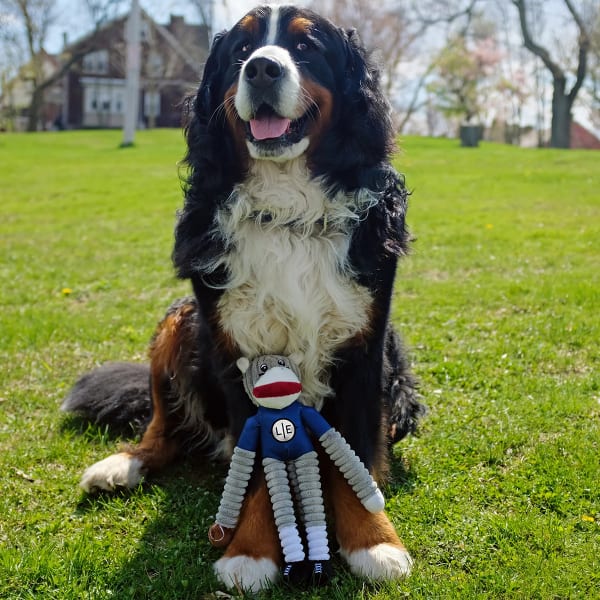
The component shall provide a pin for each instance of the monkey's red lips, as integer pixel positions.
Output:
(277, 389)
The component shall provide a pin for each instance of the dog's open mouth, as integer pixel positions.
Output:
(268, 128)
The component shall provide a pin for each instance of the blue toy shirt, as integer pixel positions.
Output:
(283, 433)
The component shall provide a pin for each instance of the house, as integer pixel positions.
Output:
(91, 93)
(583, 138)
(16, 95)
(172, 57)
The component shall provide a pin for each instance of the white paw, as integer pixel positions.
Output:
(118, 470)
(245, 573)
(381, 562)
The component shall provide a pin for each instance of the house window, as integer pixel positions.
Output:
(145, 35)
(96, 62)
(151, 104)
(154, 64)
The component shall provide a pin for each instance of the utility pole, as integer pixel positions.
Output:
(132, 83)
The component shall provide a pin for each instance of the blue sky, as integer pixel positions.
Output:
(74, 20)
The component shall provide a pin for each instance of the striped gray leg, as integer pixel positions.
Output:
(293, 478)
(311, 501)
(283, 509)
(240, 470)
(353, 470)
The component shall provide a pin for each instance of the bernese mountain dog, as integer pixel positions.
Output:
(292, 226)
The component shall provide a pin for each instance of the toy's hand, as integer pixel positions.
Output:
(220, 536)
(374, 503)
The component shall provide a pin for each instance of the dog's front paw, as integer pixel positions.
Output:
(118, 470)
(381, 562)
(246, 573)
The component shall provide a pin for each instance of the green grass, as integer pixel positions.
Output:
(498, 497)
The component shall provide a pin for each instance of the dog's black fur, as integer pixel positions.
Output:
(342, 145)
(371, 380)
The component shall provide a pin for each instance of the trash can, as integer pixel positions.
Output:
(470, 135)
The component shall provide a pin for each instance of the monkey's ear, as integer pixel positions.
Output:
(242, 364)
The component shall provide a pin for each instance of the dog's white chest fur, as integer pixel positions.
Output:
(290, 289)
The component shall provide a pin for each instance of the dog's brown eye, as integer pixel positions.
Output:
(302, 46)
(246, 48)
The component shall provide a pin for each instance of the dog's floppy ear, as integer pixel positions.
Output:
(210, 172)
(362, 135)
(364, 96)
(205, 97)
(355, 56)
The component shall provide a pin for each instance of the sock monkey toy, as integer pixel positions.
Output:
(282, 429)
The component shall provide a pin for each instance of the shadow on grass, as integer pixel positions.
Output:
(173, 558)
(73, 424)
(402, 479)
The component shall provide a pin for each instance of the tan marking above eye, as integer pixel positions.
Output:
(300, 25)
(249, 23)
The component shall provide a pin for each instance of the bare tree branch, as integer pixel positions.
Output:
(584, 46)
(441, 11)
(562, 101)
(532, 46)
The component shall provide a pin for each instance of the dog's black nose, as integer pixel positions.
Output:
(263, 72)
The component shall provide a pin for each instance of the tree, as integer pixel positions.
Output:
(562, 98)
(593, 18)
(33, 19)
(387, 30)
(205, 10)
(463, 70)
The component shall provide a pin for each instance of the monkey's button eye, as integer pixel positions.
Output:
(263, 369)
(281, 362)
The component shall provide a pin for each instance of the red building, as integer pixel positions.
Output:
(582, 138)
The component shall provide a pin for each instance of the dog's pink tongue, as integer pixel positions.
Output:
(268, 127)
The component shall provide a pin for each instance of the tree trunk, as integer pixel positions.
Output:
(35, 108)
(562, 102)
(561, 115)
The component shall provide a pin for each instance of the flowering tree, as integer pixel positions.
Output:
(463, 74)
(389, 29)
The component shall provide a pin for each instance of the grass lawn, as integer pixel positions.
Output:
(499, 496)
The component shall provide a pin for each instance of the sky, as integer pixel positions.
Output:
(74, 21)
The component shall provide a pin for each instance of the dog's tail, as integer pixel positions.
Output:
(116, 395)
(401, 390)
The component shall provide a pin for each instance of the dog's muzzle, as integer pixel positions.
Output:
(268, 100)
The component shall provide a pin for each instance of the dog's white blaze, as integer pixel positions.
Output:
(273, 24)
(290, 288)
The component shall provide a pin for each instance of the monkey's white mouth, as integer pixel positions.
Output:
(277, 388)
